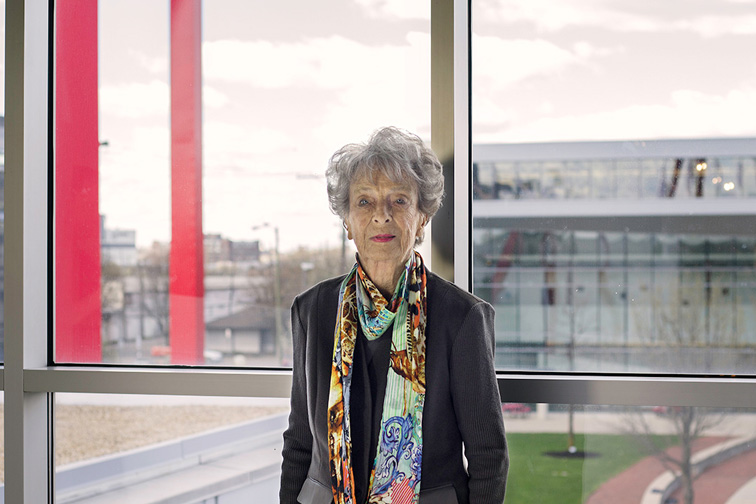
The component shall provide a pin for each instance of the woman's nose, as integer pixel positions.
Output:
(382, 213)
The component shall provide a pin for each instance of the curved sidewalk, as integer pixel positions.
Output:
(731, 482)
(629, 486)
(745, 495)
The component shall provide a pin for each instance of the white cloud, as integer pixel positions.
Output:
(253, 62)
(135, 176)
(546, 107)
(402, 9)
(152, 141)
(135, 99)
(213, 98)
(687, 114)
(498, 63)
(234, 193)
(586, 50)
(385, 85)
(299, 209)
(555, 15)
(717, 26)
(389, 85)
(237, 146)
(486, 112)
(329, 63)
(153, 64)
(377, 84)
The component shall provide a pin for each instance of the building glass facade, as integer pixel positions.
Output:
(647, 276)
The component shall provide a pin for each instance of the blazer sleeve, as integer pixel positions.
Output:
(477, 405)
(297, 446)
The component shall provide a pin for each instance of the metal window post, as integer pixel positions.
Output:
(28, 415)
(450, 137)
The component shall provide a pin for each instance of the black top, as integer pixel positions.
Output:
(371, 363)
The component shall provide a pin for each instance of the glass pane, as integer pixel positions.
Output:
(279, 96)
(645, 170)
(565, 454)
(161, 448)
(622, 302)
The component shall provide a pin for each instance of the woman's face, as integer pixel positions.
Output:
(383, 220)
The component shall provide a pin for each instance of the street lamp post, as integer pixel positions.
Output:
(276, 292)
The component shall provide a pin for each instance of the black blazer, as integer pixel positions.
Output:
(462, 403)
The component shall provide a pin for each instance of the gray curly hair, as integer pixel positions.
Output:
(398, 154)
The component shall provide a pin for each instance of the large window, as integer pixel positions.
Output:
(210, 204)
(613, 186)
(591, 251)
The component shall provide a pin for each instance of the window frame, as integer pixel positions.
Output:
(29, 382)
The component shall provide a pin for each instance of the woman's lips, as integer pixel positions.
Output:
(382, 238)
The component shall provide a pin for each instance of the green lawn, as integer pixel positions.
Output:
(535, 478)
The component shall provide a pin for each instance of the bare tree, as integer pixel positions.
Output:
(111, 283)
(112, 301)
(576, 317)
(152, 272)
(297, 271)
(685, 325)
(688, 319)
(687, 424)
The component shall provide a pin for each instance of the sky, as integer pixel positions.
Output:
(599, 70)
(286, 83)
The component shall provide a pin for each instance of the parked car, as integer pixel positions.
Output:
(516, 410)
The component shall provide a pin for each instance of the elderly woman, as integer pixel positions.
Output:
(394, 396)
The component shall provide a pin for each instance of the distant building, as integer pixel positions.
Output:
(118, 246)
(220, 251)
(594, 253)
(250, 331)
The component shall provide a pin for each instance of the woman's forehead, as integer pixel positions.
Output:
(370, 177)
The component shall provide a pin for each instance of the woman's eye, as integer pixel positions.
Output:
(401, 201)
(362, 202)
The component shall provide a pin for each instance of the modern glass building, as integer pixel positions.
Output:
(619, 256)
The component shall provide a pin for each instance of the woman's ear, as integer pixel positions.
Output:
(346, 227)
(423, 223)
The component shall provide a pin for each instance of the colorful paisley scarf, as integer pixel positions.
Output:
(395, 475)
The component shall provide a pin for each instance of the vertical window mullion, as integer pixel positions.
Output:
(450, 137)
(28, 447)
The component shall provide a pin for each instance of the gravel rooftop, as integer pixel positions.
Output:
(87, 431)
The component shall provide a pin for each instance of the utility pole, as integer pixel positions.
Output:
(276, 292)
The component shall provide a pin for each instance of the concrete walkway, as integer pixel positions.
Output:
(628, 487)
(731, 482)
(745, 495)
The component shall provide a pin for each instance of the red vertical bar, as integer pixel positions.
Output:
(77, 220)
(187, 288)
